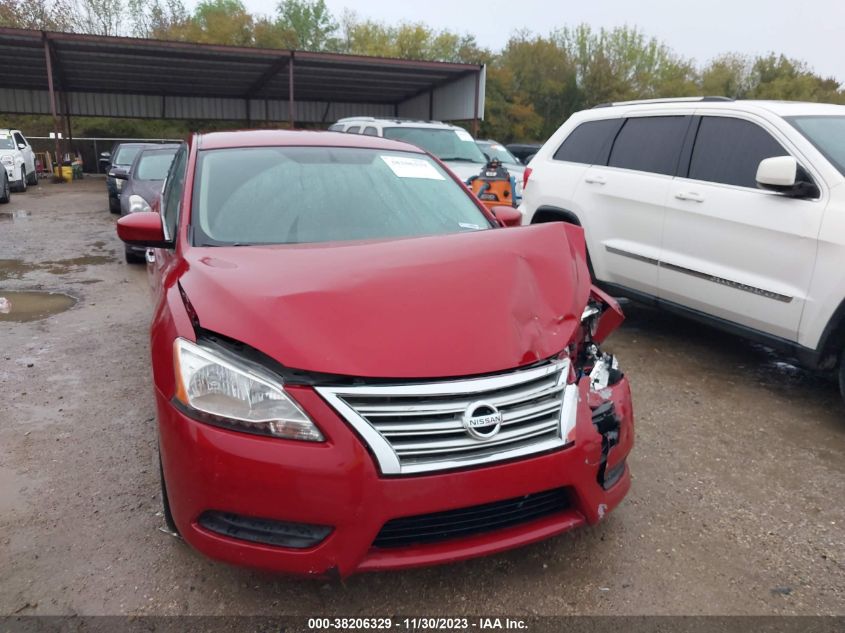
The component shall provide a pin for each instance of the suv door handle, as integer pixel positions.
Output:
(596, 180)
(692, 196)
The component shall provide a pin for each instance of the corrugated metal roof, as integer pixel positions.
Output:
(88, 68)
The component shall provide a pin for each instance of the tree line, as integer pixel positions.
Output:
(533, 84)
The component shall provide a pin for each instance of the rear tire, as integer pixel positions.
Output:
(165, 501)
(5, 189)
(133, 258)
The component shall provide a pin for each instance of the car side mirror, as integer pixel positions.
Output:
(142, 229)
(120, 174)
(507, 216)
(784, 175)
(21, 145)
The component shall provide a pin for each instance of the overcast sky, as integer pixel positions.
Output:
(812, 30)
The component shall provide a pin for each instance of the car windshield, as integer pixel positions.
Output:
(126, 154)
(6, 141)
(290, 195)
(494, 150)
(827, 133)
(154, 165)
(446, 144)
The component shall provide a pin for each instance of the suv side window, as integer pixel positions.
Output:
(590, 142)
(370, 131)
(172, 195)
(728, 151)
(19, 139)
(353, 130)
(652, 144)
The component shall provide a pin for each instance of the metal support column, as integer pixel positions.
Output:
(58, 156)
(291, 100)
(475, 107)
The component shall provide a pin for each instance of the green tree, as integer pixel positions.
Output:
(221, 22)
(307, 24)
(728, 75)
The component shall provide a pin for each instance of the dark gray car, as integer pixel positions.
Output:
(142, 184)
(121, 158)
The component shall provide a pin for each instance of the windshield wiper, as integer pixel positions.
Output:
(461, 159)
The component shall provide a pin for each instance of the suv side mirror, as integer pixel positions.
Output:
(143, 228)
(784, 175)
(120, 174)
(507, 216)
(21, 145)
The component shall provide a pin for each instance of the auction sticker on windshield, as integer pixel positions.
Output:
(412, 168)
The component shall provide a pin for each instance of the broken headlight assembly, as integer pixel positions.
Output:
(218, 389)
(601, 316)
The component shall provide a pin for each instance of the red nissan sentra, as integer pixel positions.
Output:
(358, 367)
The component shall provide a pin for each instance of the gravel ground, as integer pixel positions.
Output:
(736, 505)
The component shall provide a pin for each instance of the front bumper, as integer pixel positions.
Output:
(337, 484)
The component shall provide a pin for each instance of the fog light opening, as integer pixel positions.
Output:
(264, 531)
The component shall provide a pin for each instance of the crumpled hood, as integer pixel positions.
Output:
(454, 305)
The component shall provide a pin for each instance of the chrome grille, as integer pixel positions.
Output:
(419, 427)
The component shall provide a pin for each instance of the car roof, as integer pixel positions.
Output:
(780, 108)
(298, 138)
(162, 146)
(397, 122)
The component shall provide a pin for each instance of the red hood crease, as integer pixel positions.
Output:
(428, 307)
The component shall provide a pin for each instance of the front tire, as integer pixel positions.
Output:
(114, 205)
(842, 375)
(32, 179)
(165, 501)
(5, 189)
(133, 258)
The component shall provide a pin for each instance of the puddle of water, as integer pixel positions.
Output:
(11, 216)
(17, 268)
(26, 306)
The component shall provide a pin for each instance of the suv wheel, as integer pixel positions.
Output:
(21, 186)
(114, 205)
(32, 179)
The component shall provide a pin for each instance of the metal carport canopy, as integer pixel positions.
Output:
(140, 78)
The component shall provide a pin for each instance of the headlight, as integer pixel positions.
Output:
(137, 204)
(235, 396)
(590, 317)
(7, 160)
(118, 184)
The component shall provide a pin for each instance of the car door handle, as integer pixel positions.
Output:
(692, 196)
(596, 180)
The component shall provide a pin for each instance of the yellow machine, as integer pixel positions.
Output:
(494, 185)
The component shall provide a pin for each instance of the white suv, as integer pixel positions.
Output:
(18, 159)
(732, 212)
(450, 143)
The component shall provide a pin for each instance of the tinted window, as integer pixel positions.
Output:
(827, 133)
(19, 139)
(289, 195)
(353, 130)
(589, 143)
(651, 144)
(371, 131)
(730, 150)
(173, 191)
